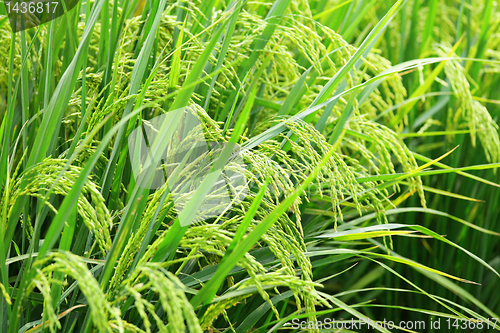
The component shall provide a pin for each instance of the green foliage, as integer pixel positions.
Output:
(341, 108)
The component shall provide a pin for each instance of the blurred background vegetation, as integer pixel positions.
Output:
(419, 30)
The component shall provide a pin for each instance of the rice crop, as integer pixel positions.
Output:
(250, 166)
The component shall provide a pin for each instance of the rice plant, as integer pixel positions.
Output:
(339, 162)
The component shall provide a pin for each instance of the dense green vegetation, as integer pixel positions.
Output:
(369, 131)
